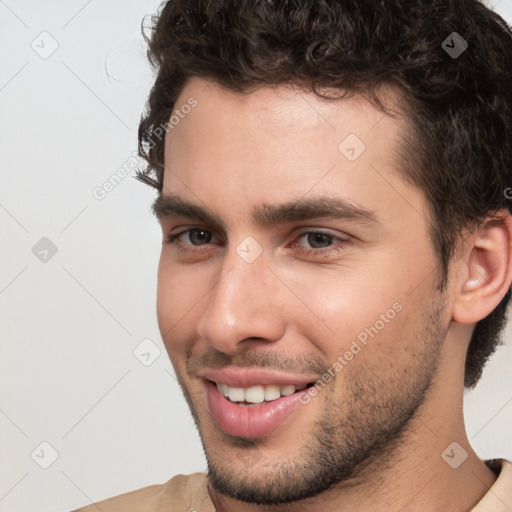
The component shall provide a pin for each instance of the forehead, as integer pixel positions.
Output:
(285, 107)
(278, 143)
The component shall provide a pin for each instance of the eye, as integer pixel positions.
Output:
(318, 244)
(318, 239)
(196, 236)
(311, 243)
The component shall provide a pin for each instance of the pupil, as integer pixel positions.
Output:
(319, 238)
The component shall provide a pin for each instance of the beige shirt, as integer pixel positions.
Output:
(188, 493)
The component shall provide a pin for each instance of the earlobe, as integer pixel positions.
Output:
(486, 272)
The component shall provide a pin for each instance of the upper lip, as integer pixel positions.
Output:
(247, 377)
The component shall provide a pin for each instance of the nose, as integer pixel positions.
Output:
(243, 307)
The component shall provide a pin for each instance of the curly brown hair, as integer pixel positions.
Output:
(459, 107)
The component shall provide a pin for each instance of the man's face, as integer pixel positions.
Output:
(266, 296)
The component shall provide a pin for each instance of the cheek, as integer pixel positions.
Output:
(346, 307)
(178, 301)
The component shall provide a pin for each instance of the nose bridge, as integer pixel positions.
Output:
(241, 304)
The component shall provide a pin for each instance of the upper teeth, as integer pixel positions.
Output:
(257, 394)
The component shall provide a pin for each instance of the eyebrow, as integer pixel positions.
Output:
(169, 206)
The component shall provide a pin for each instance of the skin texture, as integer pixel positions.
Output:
(372, 438)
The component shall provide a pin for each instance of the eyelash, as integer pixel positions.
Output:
(186, 248)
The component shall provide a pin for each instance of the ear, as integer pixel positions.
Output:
(485, 270)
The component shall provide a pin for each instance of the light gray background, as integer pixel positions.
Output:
(70, 325)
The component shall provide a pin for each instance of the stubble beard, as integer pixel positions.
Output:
(355, 433)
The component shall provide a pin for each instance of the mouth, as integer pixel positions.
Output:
(254, 411)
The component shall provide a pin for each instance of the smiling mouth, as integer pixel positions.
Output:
(256, 395)
(255, 410)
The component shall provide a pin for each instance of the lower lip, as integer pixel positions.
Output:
(252, 420)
